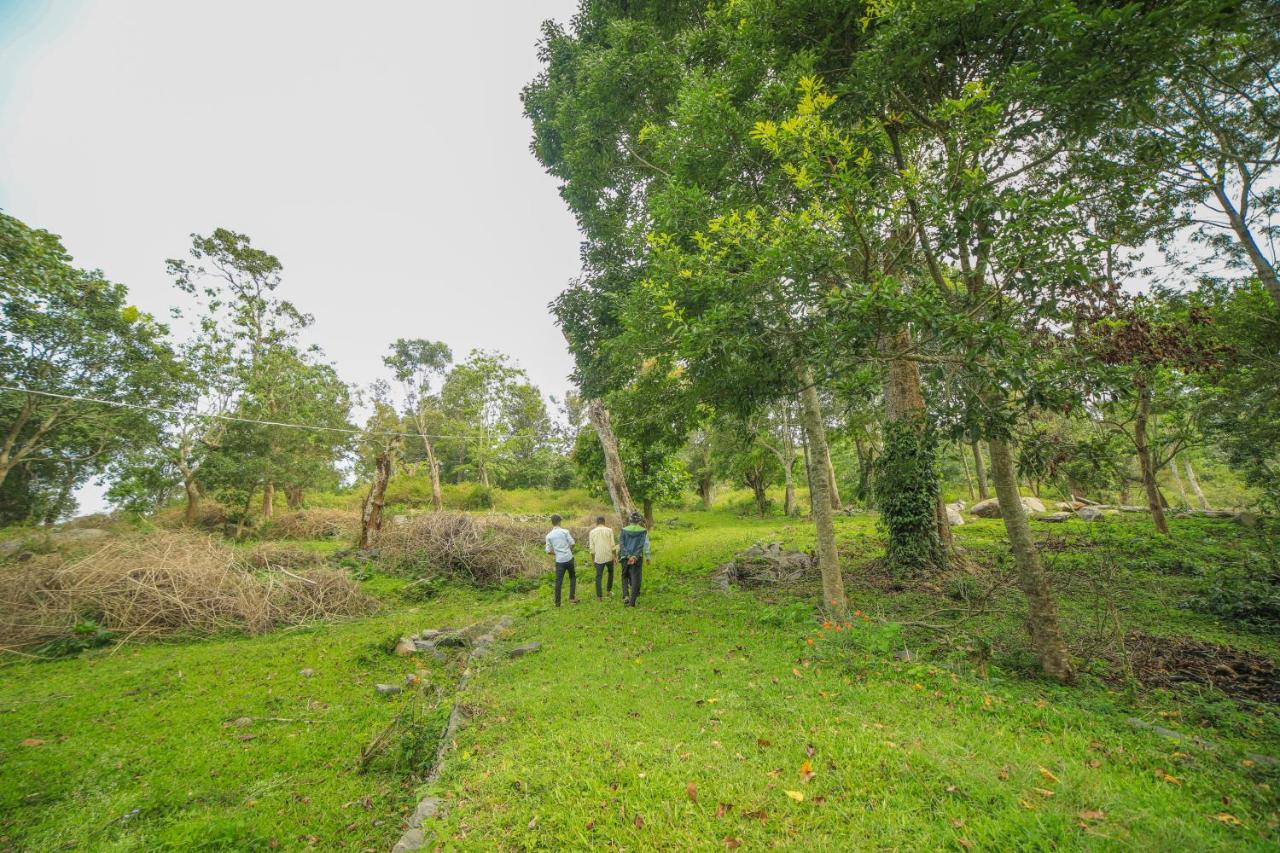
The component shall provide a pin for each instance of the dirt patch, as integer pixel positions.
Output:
(1173, 661)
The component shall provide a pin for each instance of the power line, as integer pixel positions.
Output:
(232, 418)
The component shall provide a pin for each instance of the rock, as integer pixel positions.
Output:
(405, 647)
(387, 689)
(958, 506)
(904, 655)
(1212, 513)
(765, 565)
(954, 518)
(306, 673)
(423, 645)
(1055, 518)
(454, 641)
(1089, 513)
(412, 680)
(1128, 508)
(241, 722)
(526, 649)
(990, 508)
(1067, 506)
(1246, 519)
(428, 634)
(10, 547)
(1171, 734)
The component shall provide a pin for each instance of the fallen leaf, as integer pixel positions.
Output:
(1044, 792)
(758, 814)
(1046, 773)
(723, 809)
(1026, 805)
(591, 824)
(775, 772)
(1093, 814)
(1003, 773)
(1093, 763)
(957, 822)
(890, 744)
(1247, 762)
(33, 741)
(796, 672)
(639, 822)
(692, 791)
(1223, 817)
(798, 796)
(762, 743)
(731, 842)
(965, 843)
(809, 750)
(1172, 780)
(817, 801)
(533, 824)
(806, 771)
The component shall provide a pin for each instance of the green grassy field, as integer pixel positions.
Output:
(702, 719)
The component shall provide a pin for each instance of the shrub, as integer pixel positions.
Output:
(1251, 595)
(314, 523)
(478, 549)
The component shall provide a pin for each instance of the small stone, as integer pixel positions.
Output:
(423, 645)
(412, 680)
(1089, 513)
(241, 722)
(452, 640)
(406, 647)
(306, 673)
(1055, 518)
(387, 689)
(429, 634)
(526, 649)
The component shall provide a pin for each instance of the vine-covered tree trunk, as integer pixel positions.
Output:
(1042, 610)
(1145, 462)
(758, 492)
(294, 496)
(907, 481)
(614, 477)
(1195, 484)
(371, 512)
(979, 472)
(833, 597)
(706, 488)
(268, 500)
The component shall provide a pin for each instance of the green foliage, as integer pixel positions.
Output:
(1244, 594)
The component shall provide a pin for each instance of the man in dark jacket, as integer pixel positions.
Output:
(633, 550)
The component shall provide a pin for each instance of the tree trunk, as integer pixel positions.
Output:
(758, 492)
(268, 500)
(1266, 272)
(968, 481)
(1145, 462)
(433, 464)
(371, 512)
(193, 500)
(647, 509)
(614, 477)
(1195, 484)
(1177, 483)
(907, 484)
(832, 486)
(705, 488)
(789, 501)
(833, 597)
(1042, 610)
(979, 472)
(294, 496)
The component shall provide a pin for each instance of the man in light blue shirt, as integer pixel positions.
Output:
(560, 545)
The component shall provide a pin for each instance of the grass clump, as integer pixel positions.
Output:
(164, 583)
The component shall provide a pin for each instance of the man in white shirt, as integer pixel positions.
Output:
(560, 545)
(603, 549)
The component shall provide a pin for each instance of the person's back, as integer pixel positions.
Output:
(633, 549)
(600, 541)
(560, 545)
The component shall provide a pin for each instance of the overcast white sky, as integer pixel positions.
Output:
(377, 148)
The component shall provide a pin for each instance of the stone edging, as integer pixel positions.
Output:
(431, 807)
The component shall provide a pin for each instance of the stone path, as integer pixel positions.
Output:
(431, 807)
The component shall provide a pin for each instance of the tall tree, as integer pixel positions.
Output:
(416, 364)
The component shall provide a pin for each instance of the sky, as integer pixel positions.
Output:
(378, 149)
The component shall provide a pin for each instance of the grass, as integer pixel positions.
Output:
(597, 740)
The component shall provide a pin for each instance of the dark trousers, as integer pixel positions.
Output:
(600, 567)
(631, 579)
(561, 568)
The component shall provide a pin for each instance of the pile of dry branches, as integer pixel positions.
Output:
(315, 523)
(478, 549)
(165, 583)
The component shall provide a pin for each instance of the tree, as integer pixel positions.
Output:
(66, 333)
(416, 364)
(380, 443)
